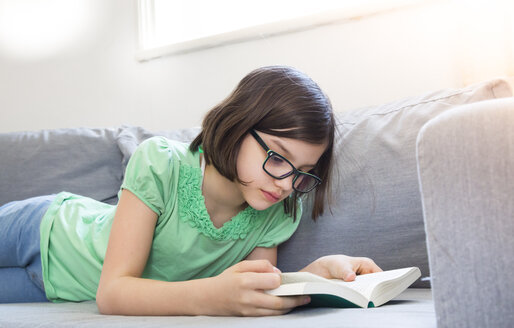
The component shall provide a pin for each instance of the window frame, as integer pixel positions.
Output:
(146, 27)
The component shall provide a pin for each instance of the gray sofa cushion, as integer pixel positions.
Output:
(83, 161)
(377, 208)
(412, 308)
(466, 169)
(131, 136)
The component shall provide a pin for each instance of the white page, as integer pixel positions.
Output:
(366, 282)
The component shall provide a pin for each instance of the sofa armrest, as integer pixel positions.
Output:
(466, 171)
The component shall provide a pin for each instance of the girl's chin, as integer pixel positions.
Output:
(259, 204)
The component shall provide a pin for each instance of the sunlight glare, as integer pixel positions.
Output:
(32, 29)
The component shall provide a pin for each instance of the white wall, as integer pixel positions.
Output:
(95, 81)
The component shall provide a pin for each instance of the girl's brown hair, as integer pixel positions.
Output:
(276, 100)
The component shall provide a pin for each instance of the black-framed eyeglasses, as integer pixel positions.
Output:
(278, 167)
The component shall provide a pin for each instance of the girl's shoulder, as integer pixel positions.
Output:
(172, 149)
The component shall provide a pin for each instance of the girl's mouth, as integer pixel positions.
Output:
(270, 197)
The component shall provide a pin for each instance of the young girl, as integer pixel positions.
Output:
(196, 228)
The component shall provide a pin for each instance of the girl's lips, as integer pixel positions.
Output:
(270, 197)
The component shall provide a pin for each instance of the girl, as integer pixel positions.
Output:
(196, 228)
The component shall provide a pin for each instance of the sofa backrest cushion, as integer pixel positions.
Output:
(377, 209)
(86, 161)
(82, 160)
(131, 136)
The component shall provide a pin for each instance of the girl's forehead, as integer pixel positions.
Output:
(297, 151)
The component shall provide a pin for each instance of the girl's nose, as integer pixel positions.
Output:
(285, 184)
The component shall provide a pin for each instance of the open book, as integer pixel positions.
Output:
(367, 290)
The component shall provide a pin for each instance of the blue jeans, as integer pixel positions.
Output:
(21, 278)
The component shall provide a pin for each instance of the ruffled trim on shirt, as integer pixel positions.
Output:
(191, 207)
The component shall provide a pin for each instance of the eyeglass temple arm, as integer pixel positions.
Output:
(259, 140)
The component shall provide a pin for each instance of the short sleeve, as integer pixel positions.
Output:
(148, 173)
(281, 227)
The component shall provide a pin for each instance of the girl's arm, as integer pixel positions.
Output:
(262, 253)
(237, 291)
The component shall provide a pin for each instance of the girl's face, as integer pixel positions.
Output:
(262, 190)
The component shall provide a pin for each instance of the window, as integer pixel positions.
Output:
(174, 26)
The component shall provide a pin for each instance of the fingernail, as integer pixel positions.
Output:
(276, 270)
(306, 300)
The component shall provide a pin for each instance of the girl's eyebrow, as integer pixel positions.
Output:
(283, 150)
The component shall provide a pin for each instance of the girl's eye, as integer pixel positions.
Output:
(276, 160)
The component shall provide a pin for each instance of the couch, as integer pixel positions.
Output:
(425, 181)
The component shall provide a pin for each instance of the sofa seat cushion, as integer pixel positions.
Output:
(413, 308)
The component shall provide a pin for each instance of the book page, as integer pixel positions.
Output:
(294, 277)
(377, 287)
(365, 283)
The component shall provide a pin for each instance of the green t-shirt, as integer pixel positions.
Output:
(167, 177)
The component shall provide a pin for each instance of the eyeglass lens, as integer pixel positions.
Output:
(278, 167)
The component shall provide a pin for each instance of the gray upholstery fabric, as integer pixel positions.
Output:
(466, 169)
(377, 208)
(376, 212)
(413, 308)
(83, 161)
(131, 136)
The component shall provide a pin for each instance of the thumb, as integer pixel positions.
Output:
(349, 275)
(345, 272)
(256, 266)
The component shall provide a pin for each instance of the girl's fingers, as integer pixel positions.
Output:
(260, 312)
(255, 266)
(280, 303)
(347, 268)
(262, 281)
(349, 275)
(367, 265)
(343, 270)
(258, 274)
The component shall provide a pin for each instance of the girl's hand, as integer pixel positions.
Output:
(239, 291)
(341, 267)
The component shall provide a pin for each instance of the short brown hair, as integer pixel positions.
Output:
(276, 100)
